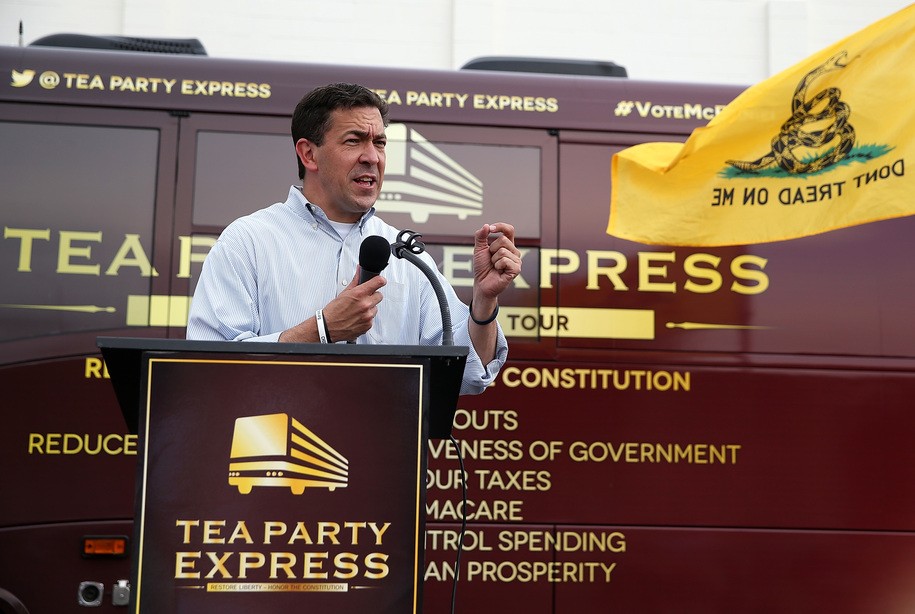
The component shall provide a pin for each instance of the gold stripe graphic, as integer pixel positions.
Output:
(77, 308)
(525, 322)
(707, 326)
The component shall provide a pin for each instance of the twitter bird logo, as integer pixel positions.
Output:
(21, 79)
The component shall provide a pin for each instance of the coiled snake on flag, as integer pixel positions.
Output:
(793, 133)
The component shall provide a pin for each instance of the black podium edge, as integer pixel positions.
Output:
(124, 362)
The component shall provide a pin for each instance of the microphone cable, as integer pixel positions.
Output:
(460, 543)
(408, 247)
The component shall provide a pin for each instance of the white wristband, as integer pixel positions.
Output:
(322, 330)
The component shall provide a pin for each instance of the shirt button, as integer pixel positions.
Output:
(342, 282)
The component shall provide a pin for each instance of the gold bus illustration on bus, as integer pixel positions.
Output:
(421, 179)
(278, 450)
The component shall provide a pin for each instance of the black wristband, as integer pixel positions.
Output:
(487, 320)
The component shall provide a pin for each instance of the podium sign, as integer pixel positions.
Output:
(280, 482)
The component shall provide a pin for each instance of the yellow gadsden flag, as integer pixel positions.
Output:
(820, 146)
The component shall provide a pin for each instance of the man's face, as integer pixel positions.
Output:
(346, 171)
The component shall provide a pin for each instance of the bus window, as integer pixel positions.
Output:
(78, 203)
(237, 173)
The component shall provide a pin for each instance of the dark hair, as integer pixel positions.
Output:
(311, 118)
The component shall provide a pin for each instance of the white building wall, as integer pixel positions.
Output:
(723, 41)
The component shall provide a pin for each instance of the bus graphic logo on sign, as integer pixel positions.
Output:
(421, 179)
(277, 450)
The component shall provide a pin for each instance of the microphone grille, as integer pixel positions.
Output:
(374, 253)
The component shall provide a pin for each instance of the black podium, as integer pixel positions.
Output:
(281, 477)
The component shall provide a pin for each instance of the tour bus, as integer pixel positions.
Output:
(278, 450)
(677, 429)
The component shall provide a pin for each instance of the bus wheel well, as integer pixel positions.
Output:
(10, 604)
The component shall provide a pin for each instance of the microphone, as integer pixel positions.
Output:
(374, 254)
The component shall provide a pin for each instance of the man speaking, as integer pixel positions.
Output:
(289, 272)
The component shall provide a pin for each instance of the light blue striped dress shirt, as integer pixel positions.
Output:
(274, 268)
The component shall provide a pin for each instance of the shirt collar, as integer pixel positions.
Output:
(313, 213)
